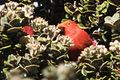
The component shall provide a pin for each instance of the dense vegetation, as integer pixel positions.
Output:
(43, 54)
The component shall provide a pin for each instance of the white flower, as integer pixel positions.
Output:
(105, 50)
(111, 43)
(11, 5)
(11, 14)
(93, 52)
(65, 71)
(33, 46)
(39, 23)
(2, 7)
(3, 10)
(115, 46)
(116, 42)
(27, 10)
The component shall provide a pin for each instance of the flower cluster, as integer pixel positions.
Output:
(38, 24)
(94, 52)
(31, 49)
(52, 31)
(27, 11)
(100, 61)
(13, 10)
(48, 39)
(61, 72)
(35, 48)
(64, 40)
(34, 41)
(7, 8)
(14, 15)
(115, 47)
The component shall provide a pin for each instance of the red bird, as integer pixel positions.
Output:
(28, 30)
(80, 38)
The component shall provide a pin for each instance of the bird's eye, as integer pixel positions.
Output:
(68, 24)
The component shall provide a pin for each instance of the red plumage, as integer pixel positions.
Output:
(80, 38)
(28, 30)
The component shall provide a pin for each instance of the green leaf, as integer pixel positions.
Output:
(98, 15)
(86, 11)
(82, 26)
(106, 8)
(69, 8)
(104, 38)
(116, 38)
(8, 64)
(93, 20)
(114, 77)
(19, 69)
(83, 71)
(103, 7)
(79, 17)
(90, 66)
(50, 62)
(25, 62)
(15, 22)
(101, 78)
(5, 47)
(3, 21)
(97, 62)
(11, 57)
(103, 65)
(66, 16)
(62, 56)
(116, 58)
(19, 59)
(18, 45)
(5, 71)
(34, 60)
(32, 68)
(110, 2)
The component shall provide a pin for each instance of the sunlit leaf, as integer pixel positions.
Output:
(5, 47)
(83, 71)
(110, 2)
(69, 8)
(103, 65)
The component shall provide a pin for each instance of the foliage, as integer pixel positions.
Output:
(93, 15)
(43, 55)
(88, 13)
(26, 54)
(60, 72)
(94, 63)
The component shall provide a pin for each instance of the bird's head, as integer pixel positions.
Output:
(26, 29)
(67, 24)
